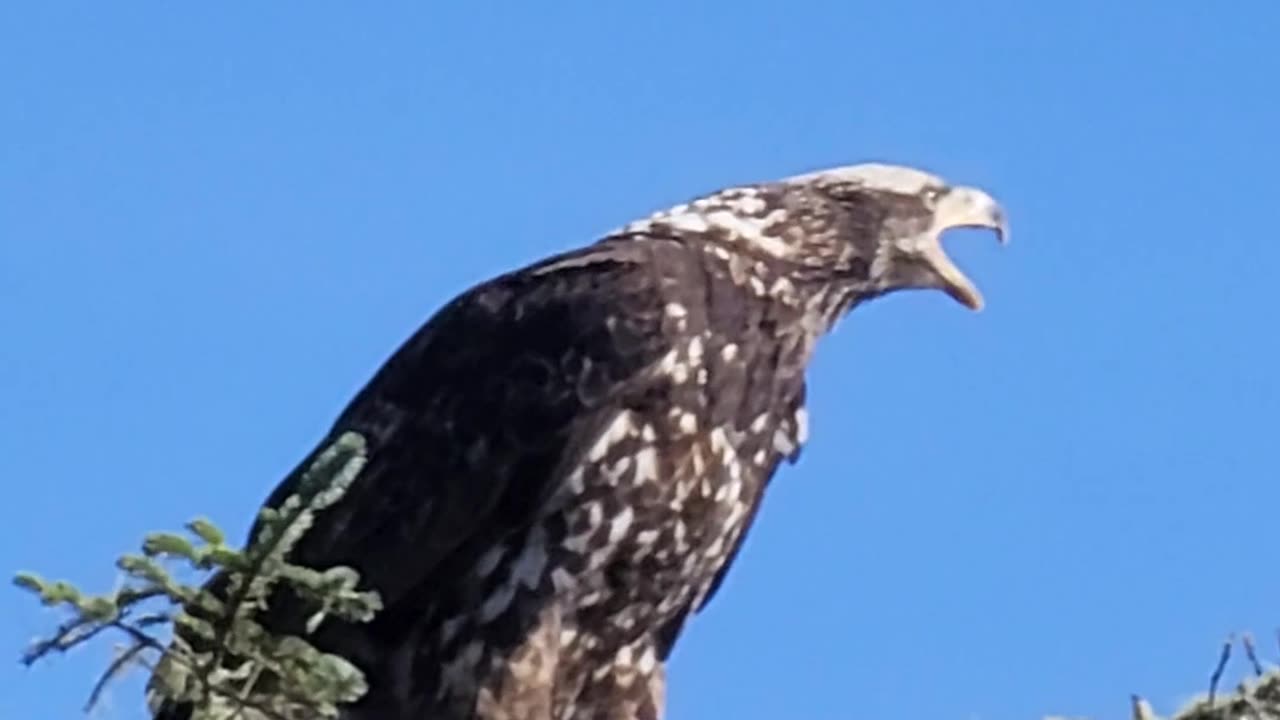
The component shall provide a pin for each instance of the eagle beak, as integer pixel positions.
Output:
(961, 207)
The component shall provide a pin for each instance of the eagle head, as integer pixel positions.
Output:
(881, 226)
(839, 236)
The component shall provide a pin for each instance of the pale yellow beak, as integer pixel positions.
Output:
(961, 207)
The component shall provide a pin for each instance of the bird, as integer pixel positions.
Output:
(564, 460)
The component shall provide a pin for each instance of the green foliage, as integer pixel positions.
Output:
(221, 660)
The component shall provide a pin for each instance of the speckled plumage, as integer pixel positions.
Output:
(564, 460)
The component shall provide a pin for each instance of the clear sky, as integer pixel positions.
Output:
(216, 222)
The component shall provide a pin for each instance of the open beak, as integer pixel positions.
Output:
(961, 207)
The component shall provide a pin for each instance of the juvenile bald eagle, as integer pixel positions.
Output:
(563, 461)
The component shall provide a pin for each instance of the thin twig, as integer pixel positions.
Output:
(72, 632)
(138, 636)
(112, 669)
(1251, 653)
(150, 619)
(1222, 665)
(62, 640)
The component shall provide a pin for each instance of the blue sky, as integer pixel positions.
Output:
(216, 222)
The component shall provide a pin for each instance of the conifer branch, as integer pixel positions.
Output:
(220, 660)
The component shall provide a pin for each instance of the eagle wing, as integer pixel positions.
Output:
(474, 420)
